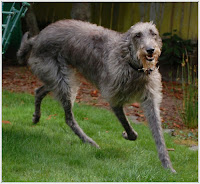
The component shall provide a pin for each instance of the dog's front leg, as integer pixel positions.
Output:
(152, 111)
(129, 133)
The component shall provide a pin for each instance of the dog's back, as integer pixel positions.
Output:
(73, 38)
(81, 45)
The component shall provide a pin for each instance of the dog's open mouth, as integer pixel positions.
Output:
(149, 58)
(149, 63)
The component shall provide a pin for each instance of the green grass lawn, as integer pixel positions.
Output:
(50, 151)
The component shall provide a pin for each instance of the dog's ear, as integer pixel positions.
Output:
(129, 40)
(125, 45)
(128, 47)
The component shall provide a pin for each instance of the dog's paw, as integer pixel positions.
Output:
(91, 142)
(131, 137)
(36, 118)
(173, 170)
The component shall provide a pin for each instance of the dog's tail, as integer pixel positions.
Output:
(25, 48)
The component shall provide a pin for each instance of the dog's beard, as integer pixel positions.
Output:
(148, 61)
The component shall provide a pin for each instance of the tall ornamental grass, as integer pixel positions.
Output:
(189, 84)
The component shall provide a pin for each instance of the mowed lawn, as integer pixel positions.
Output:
(50, 151)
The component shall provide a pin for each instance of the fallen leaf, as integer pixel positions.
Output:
(106, 104)
(170, 149)
(50, 116)
(6, 122)
(162, 109)
(98, 104)
(140, 115)
(78, 97)
(176, 125)
(94, 93)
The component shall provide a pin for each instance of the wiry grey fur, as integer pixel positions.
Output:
(108, 59)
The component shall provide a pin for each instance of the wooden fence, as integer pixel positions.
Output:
(168, 16)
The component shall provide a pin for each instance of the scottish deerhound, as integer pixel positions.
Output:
(121, 66)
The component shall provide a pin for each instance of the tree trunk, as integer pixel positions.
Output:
(81, 11)
(31, 22)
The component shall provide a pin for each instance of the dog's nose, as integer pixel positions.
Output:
(150, 50)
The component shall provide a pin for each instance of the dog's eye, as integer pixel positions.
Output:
(138, 35)
(154, 34)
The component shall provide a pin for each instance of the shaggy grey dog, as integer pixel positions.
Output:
(121, 66)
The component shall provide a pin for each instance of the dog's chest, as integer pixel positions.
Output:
(137, 89)
(130, 90)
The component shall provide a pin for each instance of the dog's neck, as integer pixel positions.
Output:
(141, 69)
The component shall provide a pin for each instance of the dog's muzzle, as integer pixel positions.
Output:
(149, 56)
(149, 59)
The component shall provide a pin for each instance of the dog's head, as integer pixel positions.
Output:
(145, 44)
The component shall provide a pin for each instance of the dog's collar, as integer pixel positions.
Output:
(141, 69)
(147, 71)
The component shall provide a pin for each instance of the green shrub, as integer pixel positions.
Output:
(173, 48)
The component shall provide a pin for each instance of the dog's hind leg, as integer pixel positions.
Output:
(59, 78)
(151, 108)
(69, 118)
(129, 133)
(40, 93)
(65, 87)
